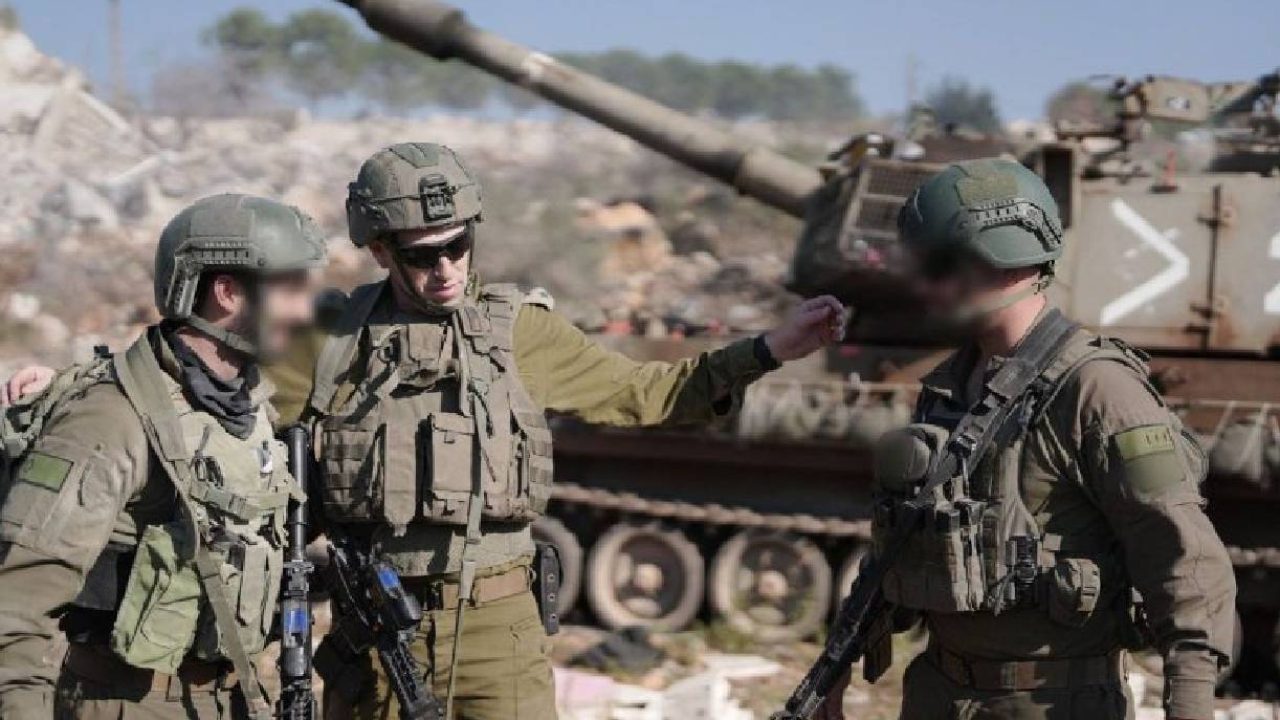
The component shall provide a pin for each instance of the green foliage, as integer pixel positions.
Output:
(248, 39)
(9, 17)
(319, 54)
(955, 102)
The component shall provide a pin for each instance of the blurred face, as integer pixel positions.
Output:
(433, 264)
(287, 306)
(954, 288)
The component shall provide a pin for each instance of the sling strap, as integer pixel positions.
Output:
(988, 420)
(152, 403)
(339, 351)
(983, 424)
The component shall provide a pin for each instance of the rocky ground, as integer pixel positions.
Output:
(622, 237)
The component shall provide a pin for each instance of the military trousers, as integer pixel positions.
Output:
(101, 687)
(503, 669)
(929, 694)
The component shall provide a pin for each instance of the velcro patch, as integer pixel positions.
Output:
(43, 470)
(986, 185)
(1144, 440)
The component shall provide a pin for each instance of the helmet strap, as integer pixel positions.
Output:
(970, 312)
(233, 340)
(248, 346)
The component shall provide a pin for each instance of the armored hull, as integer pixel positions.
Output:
(761, 521)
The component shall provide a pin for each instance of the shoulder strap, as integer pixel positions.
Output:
(501, 304)
(139, 376)
(978, 429)
(340, 348)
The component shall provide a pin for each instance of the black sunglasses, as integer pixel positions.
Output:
(425, 257)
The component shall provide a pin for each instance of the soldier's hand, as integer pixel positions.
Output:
(833, 707)
(29, 380)
(814, 323)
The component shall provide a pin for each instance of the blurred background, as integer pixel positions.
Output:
(114, 114)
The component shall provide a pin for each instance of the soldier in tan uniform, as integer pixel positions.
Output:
(1025, 569)
(143, 505)
(428, 398)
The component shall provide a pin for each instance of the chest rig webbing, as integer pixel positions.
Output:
(981, 548)
(415, 419)
(205, 583)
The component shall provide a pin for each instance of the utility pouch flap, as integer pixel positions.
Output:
(1074, 587)
(450, 466)
(160, 611)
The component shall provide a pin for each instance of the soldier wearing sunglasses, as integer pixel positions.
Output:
(427, 401)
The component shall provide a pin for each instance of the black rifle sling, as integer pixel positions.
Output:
(986, 420)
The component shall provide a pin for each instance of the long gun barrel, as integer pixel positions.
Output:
(443, 32)
(297, 700)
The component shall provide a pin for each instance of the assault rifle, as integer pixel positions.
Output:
(863, 621)
(865, 618)
(297, 701)
(373, 612)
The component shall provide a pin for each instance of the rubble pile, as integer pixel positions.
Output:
(89, 188)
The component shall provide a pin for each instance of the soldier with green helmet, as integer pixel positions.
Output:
(428, 399)
(143, 504)
(1074, 528)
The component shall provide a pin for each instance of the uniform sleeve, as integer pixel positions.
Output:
(1145, 477)
(55, 518)
(566, 372)
(292, 376)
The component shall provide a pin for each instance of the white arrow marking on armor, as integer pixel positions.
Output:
(1179, 267)
(1271, 302)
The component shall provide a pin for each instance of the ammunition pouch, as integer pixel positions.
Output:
(397, 449)
(1072, 590)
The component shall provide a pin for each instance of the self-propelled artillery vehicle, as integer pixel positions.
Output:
(766, 520)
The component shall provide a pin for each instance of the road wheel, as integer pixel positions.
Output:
(771, 585)
(647, 575)
(550, 530)
(849, 572)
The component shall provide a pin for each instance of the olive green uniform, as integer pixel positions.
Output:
(90, 502)
(1112, 487)
(503, 670)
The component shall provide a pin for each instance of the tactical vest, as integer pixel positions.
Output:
(983, 549)
(229, 527)
(415, 418)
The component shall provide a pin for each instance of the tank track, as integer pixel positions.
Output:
(713, 514)
(716, 514)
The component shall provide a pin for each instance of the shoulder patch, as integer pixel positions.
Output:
(44, 470)
(540, 297)
(1144, 440)
(1151, 460)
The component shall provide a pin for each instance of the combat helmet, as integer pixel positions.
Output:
(996, 210)
(410, 186)
(241, 234)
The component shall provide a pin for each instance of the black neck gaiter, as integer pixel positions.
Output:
(226, 400)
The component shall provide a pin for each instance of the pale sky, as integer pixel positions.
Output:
(1022, 49)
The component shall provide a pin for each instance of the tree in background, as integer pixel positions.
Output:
(249, 48)
(955, 102)
(396, 78)
(1078, 102)
(321, 53)
(8, 17)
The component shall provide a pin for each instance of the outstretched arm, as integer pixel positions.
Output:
(566, 371)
